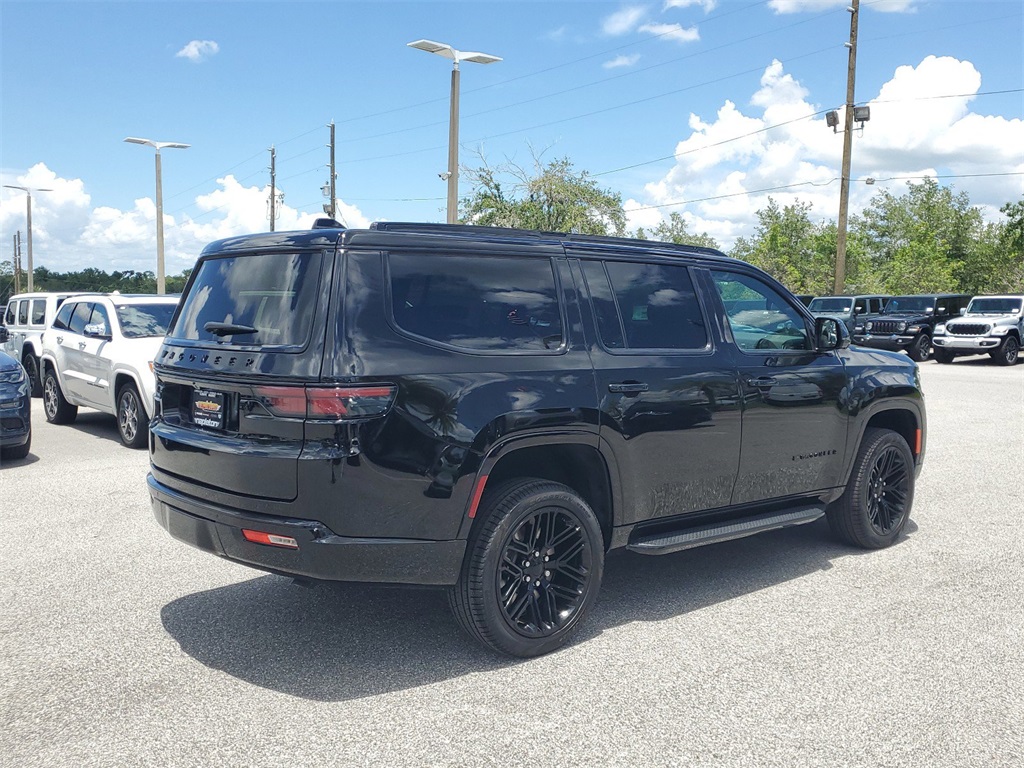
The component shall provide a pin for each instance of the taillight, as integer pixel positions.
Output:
(329, 403)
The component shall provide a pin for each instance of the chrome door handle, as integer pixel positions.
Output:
(762, 381)
(60, 339)
(81, 345)
(628, 388)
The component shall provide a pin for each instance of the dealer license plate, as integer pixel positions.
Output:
(208, 409)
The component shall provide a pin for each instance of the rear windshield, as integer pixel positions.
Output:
(142, 320)
(261, 299)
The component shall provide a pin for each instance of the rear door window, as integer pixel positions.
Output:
(657, 307)
(38, 314)
(485, 304)
(265, 299)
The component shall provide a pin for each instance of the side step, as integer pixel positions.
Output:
(688, 538)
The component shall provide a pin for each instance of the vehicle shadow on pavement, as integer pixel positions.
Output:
(334, 642)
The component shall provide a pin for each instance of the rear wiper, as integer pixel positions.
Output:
(228, 329)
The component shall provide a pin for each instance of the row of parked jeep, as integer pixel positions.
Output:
(937, 325)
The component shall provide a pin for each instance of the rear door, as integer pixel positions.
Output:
(794, 412)
(667, 392)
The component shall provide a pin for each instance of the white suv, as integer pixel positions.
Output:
(992, 324)
(99, 353)
(27, 316)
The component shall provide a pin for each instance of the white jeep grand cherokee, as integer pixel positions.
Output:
(99, 353)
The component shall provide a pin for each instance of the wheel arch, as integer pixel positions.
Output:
(565, 459)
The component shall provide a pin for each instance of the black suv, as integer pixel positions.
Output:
(907, 323)
(492, 410)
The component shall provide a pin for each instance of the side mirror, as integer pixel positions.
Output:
(830, 333)
(4, 334)
(97, 331)
(941, 310)
(858, 309)
(963, 310)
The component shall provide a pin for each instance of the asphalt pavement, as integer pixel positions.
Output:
(122, 647)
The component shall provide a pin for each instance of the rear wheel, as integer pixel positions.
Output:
(875, 507)
(921, 348)
(131, 417)
(1007, 352)
(31, 365)
(943, 356)
(58, 410)
(532, 570)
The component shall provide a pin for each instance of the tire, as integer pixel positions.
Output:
(523, 523)
(17, 451)
(1007, 352)
(943, 356)
(920, 349)
(132, 422)
(57, 409)
(31, 365)
(875, 506)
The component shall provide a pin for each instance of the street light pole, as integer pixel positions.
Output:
(452, 174)
(158, 145)
(28, 227)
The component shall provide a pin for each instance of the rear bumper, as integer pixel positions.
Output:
(320, 555)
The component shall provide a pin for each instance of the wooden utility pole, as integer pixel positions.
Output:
(844, 184)
(333, 211)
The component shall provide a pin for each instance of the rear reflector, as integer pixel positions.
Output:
(331, 403)
(270, 539)
(917, 443)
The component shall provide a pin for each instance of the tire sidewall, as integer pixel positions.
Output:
(51, 405)
(920, 349)
(1003, 356)
(486, 557)
(127, 392)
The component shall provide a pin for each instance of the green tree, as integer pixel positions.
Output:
(675, 231)
(791, 248)
(553, 197)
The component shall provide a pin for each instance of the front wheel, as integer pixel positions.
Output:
(56, 407)
(921, 348)
(532, 570)
(31, 365)
(1007, 352)
(131, 418)
(875, 507)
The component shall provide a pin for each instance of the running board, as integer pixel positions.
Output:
(688, 538)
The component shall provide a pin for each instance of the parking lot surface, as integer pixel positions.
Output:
(120, 646)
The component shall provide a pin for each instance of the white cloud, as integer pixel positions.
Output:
(797, 6)
(724, 161)
(622, 61)
(672, 32)
(623, 21)
(707, 5)
(69, 234)
(198, 50)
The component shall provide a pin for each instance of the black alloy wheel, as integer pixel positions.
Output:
(31, 366)
(533, 568)
(921, 348)
(1007, 352)
(875, 507)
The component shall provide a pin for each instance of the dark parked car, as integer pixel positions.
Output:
(852, 310)
(15, 407)
(490, 411)
(907, 323)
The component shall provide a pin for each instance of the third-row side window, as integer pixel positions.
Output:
(645, 306)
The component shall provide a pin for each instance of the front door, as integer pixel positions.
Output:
(794, 414)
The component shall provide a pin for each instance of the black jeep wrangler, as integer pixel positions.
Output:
(908, 323)
(491, 411)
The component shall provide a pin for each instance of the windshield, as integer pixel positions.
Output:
(831, 305)
(266, 299)
(994, 306)
(901, 305)
(142, 320)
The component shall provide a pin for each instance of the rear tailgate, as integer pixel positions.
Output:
(248, 321)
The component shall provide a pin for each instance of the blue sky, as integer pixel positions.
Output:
(669, 103)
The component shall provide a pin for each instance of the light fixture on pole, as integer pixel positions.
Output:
(443, 49)
(28, 226)
(158, 145)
